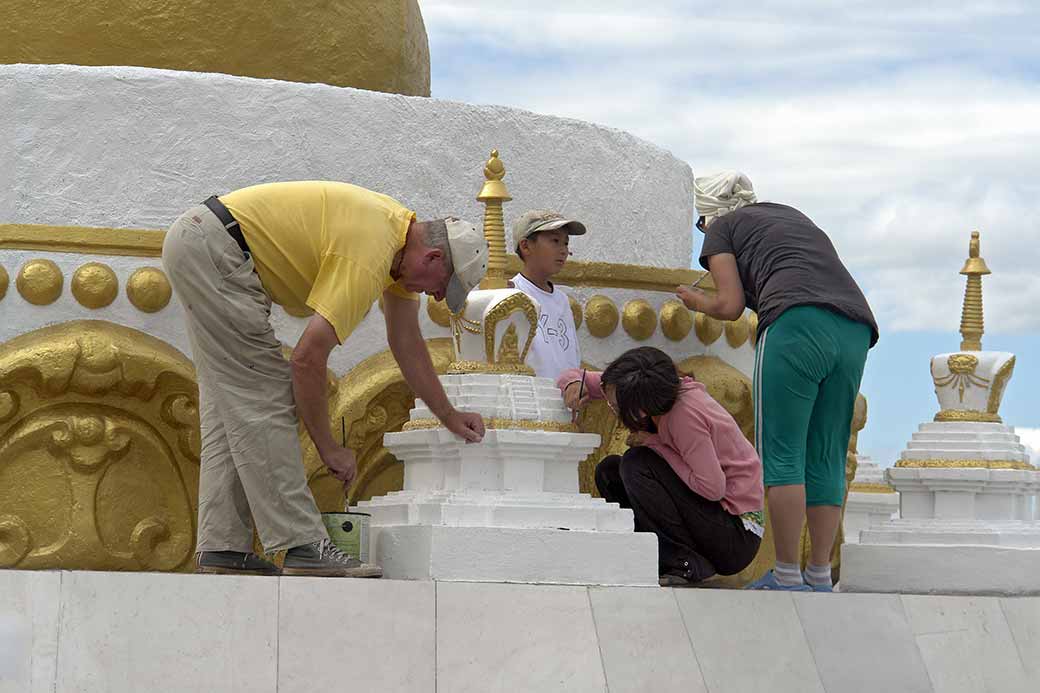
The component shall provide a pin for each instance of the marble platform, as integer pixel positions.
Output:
(91, 632)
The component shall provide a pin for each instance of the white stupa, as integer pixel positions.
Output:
(506, 509)
(969, 520)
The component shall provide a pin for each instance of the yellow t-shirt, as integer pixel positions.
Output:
(322, 245)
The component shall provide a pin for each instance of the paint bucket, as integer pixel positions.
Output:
(349, 532)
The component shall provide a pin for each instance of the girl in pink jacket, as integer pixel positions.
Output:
(691, 477)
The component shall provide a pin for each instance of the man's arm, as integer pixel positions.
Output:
(413, 358)
(309, 367)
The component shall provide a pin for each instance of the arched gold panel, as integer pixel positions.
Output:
(372, 399)
(99, 450)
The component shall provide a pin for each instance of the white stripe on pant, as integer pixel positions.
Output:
(252, 467)
(756, 388)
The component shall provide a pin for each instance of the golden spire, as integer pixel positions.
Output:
(493, 194)
(971, 313)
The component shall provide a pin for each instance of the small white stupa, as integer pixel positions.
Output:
(871, 499)
(969, 520)
(506, 509)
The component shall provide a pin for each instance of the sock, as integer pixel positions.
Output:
(818, 574)
(788, 573)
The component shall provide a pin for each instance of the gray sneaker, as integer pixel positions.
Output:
(233, 563)
(323, 559)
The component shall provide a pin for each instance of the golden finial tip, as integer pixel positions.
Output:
(494, 169)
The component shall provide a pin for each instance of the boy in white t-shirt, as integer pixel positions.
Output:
(542, 238)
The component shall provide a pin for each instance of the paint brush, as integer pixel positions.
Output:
(581, 391)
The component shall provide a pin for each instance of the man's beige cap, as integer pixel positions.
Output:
(469, 260)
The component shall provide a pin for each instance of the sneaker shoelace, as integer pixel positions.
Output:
(329, 550)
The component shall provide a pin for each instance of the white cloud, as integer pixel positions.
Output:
(1031, 439)
(899, 130)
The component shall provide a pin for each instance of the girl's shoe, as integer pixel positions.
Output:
(769, 582)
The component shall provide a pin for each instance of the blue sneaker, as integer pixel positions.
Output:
(818, 588)
(769, 582)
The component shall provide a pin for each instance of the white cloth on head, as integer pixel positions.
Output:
(721, 193)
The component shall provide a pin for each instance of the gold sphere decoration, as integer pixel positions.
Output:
(676, 320)
(753, 327)
(5, 280)
(737, 331)
(639, 319)
(380, 46)
(95, 285)
(148, 289)
(601, 316)
(438, 312)
(575, 311)
(40, 282)
(707, 328)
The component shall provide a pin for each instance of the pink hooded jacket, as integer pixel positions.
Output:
(702, 443)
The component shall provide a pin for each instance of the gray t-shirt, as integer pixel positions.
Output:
(785, 260)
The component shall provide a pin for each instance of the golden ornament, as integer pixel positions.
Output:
(95, 285)
(601, 316)
(575, 310)
(676, 320)
(737, 331)
(40, 282)
(438, 312)
(708, 329)
(639, 319)
(148, 289)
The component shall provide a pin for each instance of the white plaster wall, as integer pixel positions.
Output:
(133, 147)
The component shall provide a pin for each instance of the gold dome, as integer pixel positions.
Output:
(380, 46)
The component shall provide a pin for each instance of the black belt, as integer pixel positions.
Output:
(231, 224)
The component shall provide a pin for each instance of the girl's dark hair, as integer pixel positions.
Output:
(646, 384)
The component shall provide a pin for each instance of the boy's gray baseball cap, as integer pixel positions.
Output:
(537, 220)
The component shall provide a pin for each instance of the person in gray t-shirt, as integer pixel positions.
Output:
(815, 328)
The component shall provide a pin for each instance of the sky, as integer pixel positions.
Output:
(898, 127)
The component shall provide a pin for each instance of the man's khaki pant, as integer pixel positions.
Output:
(251, 460)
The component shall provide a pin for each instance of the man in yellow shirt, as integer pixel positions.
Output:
(331, 249)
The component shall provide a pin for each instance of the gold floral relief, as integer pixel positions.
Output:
(370, 400)
(515, 303)
(962, 374)
(99, 450)
(1000, 381)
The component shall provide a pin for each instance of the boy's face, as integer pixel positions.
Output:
(546, 252)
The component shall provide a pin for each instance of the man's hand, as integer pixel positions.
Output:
(571, 399)
(693, 298)
(341, 463)
(467, 424)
